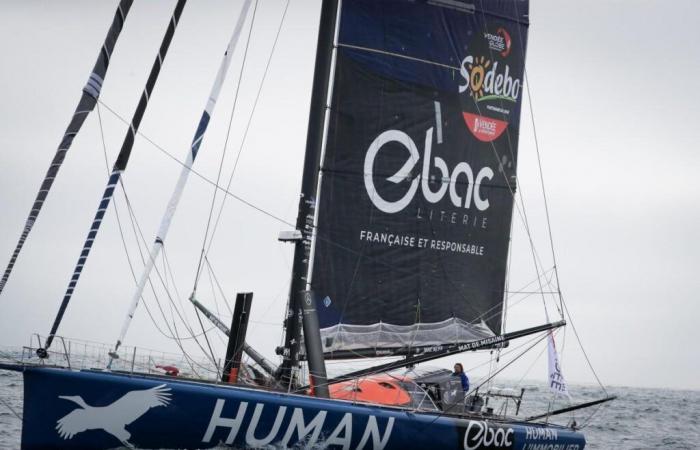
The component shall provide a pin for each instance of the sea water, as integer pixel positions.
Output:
(638, 419)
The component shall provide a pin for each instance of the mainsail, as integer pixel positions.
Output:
(88, 100)
(418, 174)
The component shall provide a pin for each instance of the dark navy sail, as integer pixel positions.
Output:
(419, 172)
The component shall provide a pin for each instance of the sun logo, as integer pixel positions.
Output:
(477, 71)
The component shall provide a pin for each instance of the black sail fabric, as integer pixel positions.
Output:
(418, 175)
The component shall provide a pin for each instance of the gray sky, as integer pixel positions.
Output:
(615, 105)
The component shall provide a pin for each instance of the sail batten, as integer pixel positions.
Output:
(86, 104)
(118, 168)
(415, 200)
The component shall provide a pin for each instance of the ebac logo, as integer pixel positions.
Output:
(482, 435)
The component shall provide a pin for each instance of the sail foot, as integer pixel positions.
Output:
(389, 336)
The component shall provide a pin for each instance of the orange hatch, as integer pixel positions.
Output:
(381, 390)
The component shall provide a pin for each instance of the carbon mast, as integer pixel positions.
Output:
(88, 100)
(305, 231)
(119, 167)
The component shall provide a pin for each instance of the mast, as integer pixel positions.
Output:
(119, 167)
(307, 199)
(185, 172)
(87, 102)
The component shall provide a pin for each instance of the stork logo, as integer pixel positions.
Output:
(112, 418)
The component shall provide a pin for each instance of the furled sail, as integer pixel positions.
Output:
(115, 176)
(418, 174)
(88, 100)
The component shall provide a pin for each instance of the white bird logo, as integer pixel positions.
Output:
(111, 418)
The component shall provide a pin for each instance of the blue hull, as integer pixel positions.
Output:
(66, 409)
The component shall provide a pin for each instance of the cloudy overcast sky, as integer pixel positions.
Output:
(615, 100)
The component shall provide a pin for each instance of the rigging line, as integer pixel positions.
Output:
(493, 310)
(544, 192)
(148, 310)
(176, 195)
(531, 292)
(12, 410)
(393, 358)
(89, 95)
(276, 298)
(240, 199)
(134, 224)
(521, 291)
(509, 263)
(119, 223)
(119, 167)
(223, 154)
(216, 299)
(565, 309)
(213, 289)
(472, 390)
(206, 338)
(590, 417)
(139, 233)
(398, 55)
(526, 80)
(169, 269)
(490, 377)
(218, 285)
(522, 214)
(174, 332)
(201, 176)
(563, 347)
(539, 355)
(583, 350)
(250, 120)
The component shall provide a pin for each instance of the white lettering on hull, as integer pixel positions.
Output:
(250, 438)
(297, 430)
(218, 421)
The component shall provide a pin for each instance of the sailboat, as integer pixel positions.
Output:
(400, 250)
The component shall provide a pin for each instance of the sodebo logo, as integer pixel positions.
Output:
(422, 180)
(484, 81)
